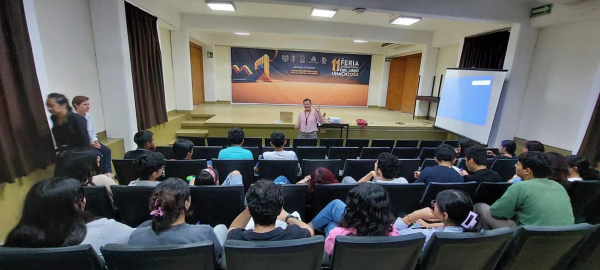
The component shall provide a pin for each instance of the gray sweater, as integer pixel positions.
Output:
(106, 231)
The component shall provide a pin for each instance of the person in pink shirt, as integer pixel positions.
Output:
(366, 213)
(308, 121)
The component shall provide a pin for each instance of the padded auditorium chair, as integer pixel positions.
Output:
(255, 151)
(505, 168)
(428, 162)
(585, 199)
(343, 153)
(214, 205)
(373, 152)
(298, 254)
(331, 142)
(218, 141)
(311, 152)
(324, 194)
(407, 143)
(490, 192)
(427, 152)
(268, 142)
(167, 151)
(469, 251)
(404, 198)
(303, 142)
(430, 143)
(453, 143)
(295, 198)
(271, 169)
(588, 255)
(360, 143)
(434, 188)
(184, 168)
(198, 141)
(125, 171)
(406, 152)
(133, 204)
(206, 152)
(245, 167)
(80, 257)
(195, 256)
(383, 143)
(358, 168)
(494, 150)
(543, 247)
(253, 142)
(310, 165)
(377, 252)
(98, 203)
(407, 169)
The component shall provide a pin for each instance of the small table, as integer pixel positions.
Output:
(341, 126)
(429, 99)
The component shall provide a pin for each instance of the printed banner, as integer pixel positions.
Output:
(288, 77)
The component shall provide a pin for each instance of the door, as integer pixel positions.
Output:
(411, 83)
(396, 84)
(197, 73)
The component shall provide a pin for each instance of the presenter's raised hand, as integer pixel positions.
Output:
(318, 109)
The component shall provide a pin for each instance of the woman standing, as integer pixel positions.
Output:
(82, 107)
(69, 129)
(308, 121)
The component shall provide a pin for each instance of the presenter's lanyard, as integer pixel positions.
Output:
(306, 123)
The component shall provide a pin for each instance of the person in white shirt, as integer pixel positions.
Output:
(385, 171)
(278, 142)
(82, 107)
(580, 169)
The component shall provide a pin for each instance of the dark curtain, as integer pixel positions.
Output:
(25, 138)
(485, 51)
(591, 142)
(146, 68)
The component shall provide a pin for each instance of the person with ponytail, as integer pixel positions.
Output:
(169, 205)
(53, 216)
(69, 128)
(83, 166)
(580, 169)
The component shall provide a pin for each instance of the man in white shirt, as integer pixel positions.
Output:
(278, 142)
(385, 171)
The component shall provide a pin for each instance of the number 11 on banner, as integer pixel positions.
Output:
(335, 65)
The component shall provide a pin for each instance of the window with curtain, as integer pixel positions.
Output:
(25, 137)
(485, 51)
(146, 68)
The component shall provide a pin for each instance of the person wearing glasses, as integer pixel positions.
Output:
(308, 121)
(149, 168)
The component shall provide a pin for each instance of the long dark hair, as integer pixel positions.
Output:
(464, 144)
(535, 146)
(168, 202)
(61, 99)
(457, 205)
(510, 146)
(368, 211)
(50, 217)
(583, 167)
(205, 178)
(559, 168)
(321, 175)
(79, 164)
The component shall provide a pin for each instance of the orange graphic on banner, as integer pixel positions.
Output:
(335, 65)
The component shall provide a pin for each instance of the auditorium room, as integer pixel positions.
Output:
(299, 134)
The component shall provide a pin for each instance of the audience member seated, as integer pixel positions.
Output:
(183, 149)
(82, 107)
(385, 171)
(454, 210)
(53, 216)
(365, 213)
(533, 146)
(580, 169)
(210, 177)
(265, 207)
(462, 147)
(170, 203)
(507, 150)
(476, 159)
(145, 142)
(559, 167)
(536, 201)
(321, 176)
(235, 151)
(82, 165)
(149, 168)
(444, 172)
(278, 142)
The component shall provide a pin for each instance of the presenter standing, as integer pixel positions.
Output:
(308, 121)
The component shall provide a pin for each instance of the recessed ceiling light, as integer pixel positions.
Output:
(360, 41)
(241, 33)
(221, 5)
(319, 12)
(403, 20)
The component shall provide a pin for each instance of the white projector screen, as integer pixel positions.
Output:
(468, 102)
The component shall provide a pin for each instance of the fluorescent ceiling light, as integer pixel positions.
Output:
(403, 20)
(319, 12)
(241, 33)
(360, 41)
(224, 6)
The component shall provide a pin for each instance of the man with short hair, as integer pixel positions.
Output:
(149, 168)
(235, 151)
(183, 149)
(265, 207)
(536, 201)
(444, 172)
(386, 169)
(278, 142)
(476, 159)
(145, 142)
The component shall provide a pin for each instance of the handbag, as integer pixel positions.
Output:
(362, 123)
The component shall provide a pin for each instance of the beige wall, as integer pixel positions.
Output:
(167, 65)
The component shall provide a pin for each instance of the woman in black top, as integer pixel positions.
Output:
(69, 129)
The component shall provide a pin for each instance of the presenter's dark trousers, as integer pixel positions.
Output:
(105, 158)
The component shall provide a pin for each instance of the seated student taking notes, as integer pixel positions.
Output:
(444, 172)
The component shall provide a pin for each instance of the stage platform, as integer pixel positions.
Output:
(260, 120)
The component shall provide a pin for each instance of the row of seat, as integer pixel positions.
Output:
(544, 248)
(327, 142)
(221, 204)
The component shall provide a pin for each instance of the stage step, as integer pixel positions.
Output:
(192, 132)
(201, 116)
(192, 124)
